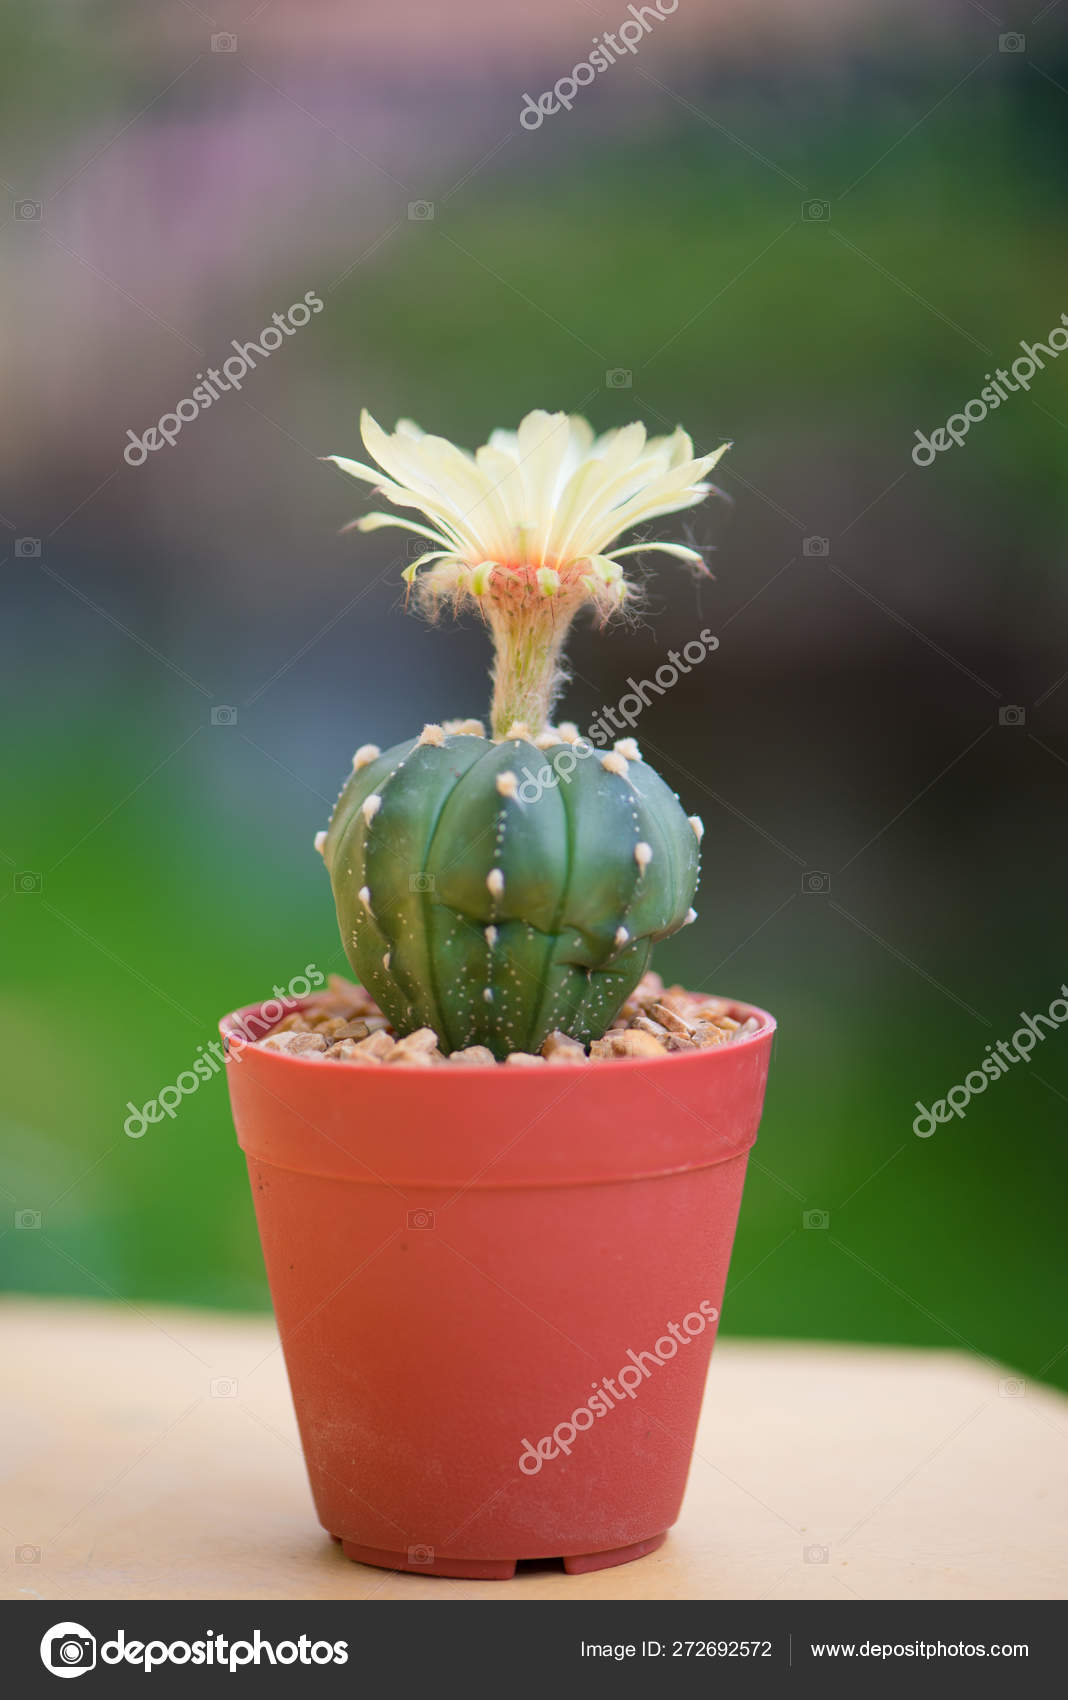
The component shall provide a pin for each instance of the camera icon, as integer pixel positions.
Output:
(420, 1555)
(1012, 43)
(1012, 1388)
(815, 1218)
(224, 715)
(421, 882)
(816, 212)
(816, 546)
(28, 211)
(420, 211)
(223, 1388)
(68, 1649)
(26, 883)
(1012, 715)
(420, 1218)
(28, 1220)
(224, 42)
(816, 1555)
(27, 1555)
(28, 548)
(816, 883)
(618, 378)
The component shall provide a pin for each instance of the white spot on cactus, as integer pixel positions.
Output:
(643, 855)
(691, 916)
(628, 747)
(370, 807)
(487, 996)
(365, 897)
(491, 936)
(569, 732)
(320, 842)
(613, 763)
(365, 754)
(507, 783)
(495, 881)
(546, 740)
(698, 826)
(518, 730)
(622, 937)
(385, 961)
(466, 728)
(432, 734)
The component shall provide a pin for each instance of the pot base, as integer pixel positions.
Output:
(491, 1569)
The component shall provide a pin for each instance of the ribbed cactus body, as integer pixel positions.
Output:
(495, 909)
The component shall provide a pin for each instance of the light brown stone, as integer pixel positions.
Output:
(295, 1044)
(477, 1056)
(668, 1016)
(561, 1045)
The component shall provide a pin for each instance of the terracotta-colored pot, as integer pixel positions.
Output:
(497, 1290)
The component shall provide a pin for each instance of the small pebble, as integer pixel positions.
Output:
(336, 1027)
(646, 1024)
(423, 1039)
(346, 1050)
(669, 1017)
(561, 1046)
(377, 1045)
(293, 1024)
(295, 1044)
(629, 1043)
(479, 1056)
(708, 1033)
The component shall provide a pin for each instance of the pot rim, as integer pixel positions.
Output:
(231, 1022)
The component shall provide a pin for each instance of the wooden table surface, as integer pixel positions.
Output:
(905, 1475)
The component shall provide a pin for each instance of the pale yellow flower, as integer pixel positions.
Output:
(533, 512)
(527, 528)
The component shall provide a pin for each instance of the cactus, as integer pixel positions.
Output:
(499, 888)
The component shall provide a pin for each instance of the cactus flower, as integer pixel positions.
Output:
(526, 529)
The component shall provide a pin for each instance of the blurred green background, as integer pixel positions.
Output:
(811, 231)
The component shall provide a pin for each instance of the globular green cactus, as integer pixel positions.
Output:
(496, 908)
(499, 888)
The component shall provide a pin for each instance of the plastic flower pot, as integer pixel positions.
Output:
(497, 1291)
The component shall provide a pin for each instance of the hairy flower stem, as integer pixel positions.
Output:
(528, 640)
